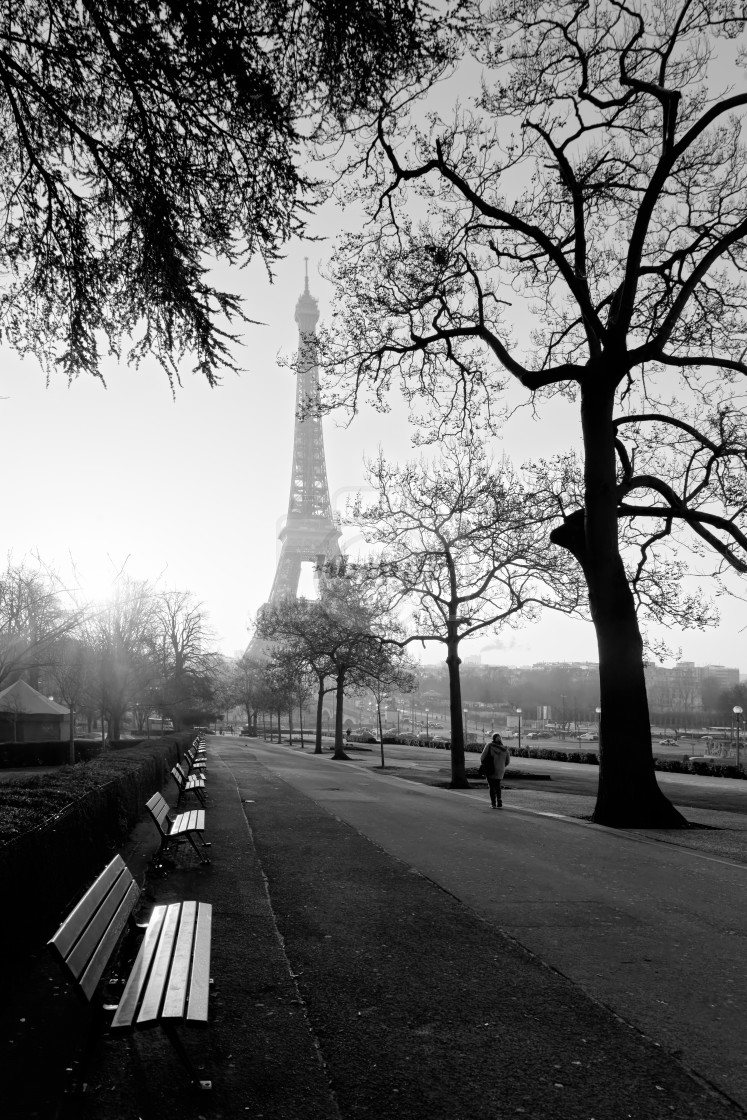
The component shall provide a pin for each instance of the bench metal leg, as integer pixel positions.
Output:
(202, 858)
(184, 1057)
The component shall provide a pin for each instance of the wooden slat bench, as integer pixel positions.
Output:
(169, 982)
(184, 826)
(194, 783)
(194, 762)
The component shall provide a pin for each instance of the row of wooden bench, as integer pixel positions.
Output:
(190, 824)
(168, 983)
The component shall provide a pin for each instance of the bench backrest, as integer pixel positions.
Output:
(87, 938)
(158, 808)
(178, 774)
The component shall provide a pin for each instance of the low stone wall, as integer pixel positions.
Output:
(44, 869)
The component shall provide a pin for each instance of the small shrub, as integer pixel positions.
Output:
(671, 766)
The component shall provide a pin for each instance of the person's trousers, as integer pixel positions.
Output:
(494, 785)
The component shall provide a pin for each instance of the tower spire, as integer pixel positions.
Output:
(310, 532)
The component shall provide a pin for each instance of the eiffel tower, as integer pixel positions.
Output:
(310, 532)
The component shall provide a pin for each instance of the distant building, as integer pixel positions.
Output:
(679, 688)
(725, 677)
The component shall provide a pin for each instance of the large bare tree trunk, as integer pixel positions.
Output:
(458, 768)
(339, 715)
(628, 795)
(319, 718)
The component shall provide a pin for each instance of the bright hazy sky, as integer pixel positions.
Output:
(193, 489)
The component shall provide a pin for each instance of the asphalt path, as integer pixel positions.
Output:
(654, 932)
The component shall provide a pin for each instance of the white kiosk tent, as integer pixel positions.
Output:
(26, 716)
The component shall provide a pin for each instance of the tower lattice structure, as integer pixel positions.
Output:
(310, 532)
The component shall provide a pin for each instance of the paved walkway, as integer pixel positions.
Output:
(719, 834)
(347, 985)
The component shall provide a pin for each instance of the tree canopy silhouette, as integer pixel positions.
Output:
(144, 140)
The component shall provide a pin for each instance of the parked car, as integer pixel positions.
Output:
(588, 737)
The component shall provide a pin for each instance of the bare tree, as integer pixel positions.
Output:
(121, 636)
(299, 629)
(386, 669)
(300, 680)
(246, 687)
(463, 550)
(337, 635)
(72, 671)
(32, 620)
(580, 232)
(189, 666)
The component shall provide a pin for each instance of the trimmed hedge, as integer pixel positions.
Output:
(590, 758)
(58, 830)
(55, 752)
(666, 765)
(48, 752)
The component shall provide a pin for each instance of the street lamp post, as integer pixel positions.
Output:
(599, 715)
(737, 712)
(466, 726)
(426, 723)
(518, 712)
(398, 721)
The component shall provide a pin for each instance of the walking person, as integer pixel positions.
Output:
(493, 762)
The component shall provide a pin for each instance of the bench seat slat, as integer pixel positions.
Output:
(176, 994)
(150, 1007)
(128, 1004)
(181, 824)
(199, 987)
